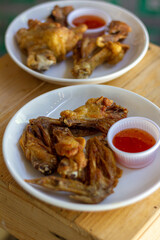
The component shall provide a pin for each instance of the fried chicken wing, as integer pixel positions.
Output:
(70, 148)
(120, 28)
(45, 142)
(38, 144)
(87, 170)
(37, 151)
(46, 43)
(101, 176)
(99, 113)
(117, 31)
(59, 14)
(50, 145)
(93, 108)
(67, 145)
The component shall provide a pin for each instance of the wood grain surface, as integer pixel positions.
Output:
(30, 219)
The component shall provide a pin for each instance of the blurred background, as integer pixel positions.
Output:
(147, 10)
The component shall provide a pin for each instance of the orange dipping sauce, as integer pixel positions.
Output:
(133, 140)
(90, 20)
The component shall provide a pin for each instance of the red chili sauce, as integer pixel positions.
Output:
(90, 20)
(133, 140)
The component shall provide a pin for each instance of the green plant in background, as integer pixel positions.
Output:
(147, 10)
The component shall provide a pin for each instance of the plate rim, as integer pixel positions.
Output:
(72, 205)
(67, 81)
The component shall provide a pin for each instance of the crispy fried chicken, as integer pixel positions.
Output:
(47, 43)
(111, 53)
(101, 176)
(99, 113)
(117, 31)
(46, 141)
(59, 14)
(86, 169)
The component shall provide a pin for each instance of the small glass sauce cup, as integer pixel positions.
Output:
(139, 159)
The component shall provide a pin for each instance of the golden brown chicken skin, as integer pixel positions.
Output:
(45, 142)
(98, 113)
(101, 176)
(117, 31)
(85, 168)
(111, 53)
(46, 43)
(59, 14)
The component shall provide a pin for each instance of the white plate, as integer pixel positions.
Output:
(61, 73)
(133, 186)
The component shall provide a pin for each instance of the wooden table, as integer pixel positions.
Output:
(30, 219)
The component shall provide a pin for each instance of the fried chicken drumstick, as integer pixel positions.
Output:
(46, 43)
(93, 52)
(111, 53)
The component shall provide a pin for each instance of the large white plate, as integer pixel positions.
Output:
(61, 73)
(133, 186)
